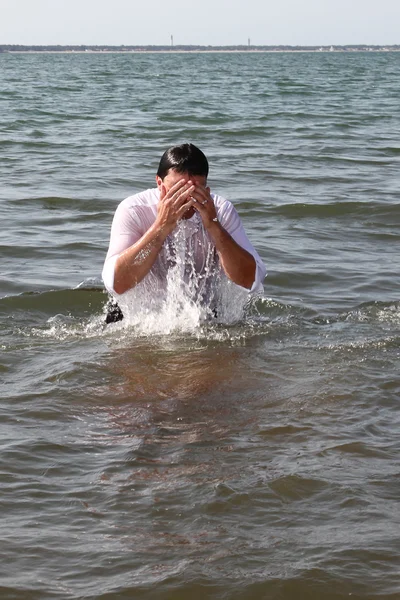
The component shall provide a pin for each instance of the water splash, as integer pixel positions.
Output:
(187, 289)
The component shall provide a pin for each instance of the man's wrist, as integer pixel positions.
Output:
(160, 231)
(214, 225)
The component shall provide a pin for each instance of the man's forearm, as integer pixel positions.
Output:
(238, 264)
(135, 262)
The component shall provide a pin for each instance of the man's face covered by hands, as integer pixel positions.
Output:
(173, 178)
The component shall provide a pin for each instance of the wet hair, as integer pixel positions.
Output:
(186, 158)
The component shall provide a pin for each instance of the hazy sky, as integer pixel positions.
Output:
(215, 22)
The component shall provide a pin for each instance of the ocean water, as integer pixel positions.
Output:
(167, 458)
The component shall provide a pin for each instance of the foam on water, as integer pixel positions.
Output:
(149, 314)
(178, 312)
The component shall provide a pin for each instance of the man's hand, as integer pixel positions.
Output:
(238, 264)
(204, 205)
(173, 204)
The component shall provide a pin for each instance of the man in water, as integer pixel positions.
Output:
(179, 225)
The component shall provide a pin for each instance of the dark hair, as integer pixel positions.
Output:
(186, 158)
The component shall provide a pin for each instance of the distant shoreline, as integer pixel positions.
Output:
(104, 49)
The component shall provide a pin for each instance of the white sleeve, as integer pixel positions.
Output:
(230, 220)
(125, 231)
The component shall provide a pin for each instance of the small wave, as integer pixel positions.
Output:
(363, 344)
(294, 487)
(374, 312)
(284, 431)
(78, 302)
(337, 210)
(357, 448)
(390, 151)
(62, 203)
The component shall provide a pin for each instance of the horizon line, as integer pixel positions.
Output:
(169, 46)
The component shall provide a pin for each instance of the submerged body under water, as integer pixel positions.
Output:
(168, 455)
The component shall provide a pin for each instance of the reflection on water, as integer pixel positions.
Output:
(183, 457)
(185, 374)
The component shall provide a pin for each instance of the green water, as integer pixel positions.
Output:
(246, 461)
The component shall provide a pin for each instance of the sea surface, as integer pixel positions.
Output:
(171, 459)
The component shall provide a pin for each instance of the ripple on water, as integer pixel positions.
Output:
(253, 457)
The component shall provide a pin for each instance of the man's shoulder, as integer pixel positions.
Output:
(146, 198)
(220, 201)
(222, 205)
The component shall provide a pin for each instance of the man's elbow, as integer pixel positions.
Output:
(249, 283)
(121, 286)
(121, 282)
(251, 274)
(248, 275)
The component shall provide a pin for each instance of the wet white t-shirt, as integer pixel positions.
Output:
(188, 248)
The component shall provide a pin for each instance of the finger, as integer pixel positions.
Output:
(204, 192)
(182, 195)
(179, 185)
(203, 210)
(199, 206)
(203, 203)
(169, 194)
(199, 196)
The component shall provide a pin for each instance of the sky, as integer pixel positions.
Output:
(204, 22)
